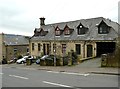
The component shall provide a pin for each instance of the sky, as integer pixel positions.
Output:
(21, 17)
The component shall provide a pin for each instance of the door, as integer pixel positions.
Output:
(89, 51)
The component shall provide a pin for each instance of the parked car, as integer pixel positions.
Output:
(38, 61)
(44, 57)
(22, 60)
(12, 60)
(33, 60)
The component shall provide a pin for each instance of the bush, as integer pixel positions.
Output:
(65, 60)
(74, 57)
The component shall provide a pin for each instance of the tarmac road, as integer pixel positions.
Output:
(16, 77)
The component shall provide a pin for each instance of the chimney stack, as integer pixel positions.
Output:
(42, 19)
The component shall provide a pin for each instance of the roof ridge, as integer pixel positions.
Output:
(74, 21)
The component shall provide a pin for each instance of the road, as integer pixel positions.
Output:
(14, 77)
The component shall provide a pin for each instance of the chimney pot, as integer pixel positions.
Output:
(42, 21)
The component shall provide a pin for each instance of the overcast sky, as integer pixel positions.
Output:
(22, 16)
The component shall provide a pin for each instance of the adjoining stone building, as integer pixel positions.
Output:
(12, 46)
(87, 37)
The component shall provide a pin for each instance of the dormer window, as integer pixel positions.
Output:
(103, 28)
(67, 30)
(57, 32)
(81, 29)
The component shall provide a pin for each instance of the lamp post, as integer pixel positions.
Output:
(54, 57)
(54, 46)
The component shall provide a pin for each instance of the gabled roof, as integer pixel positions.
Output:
(92, 33)
(10, 39)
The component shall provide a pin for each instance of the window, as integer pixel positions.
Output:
(48, 49)
(15, 51)
(57, 31)
(38, 46)
(103, 28)
(67, 32)
(63, 48)
(27, 49)
(78, 49)
(82, 30)
(32, 46)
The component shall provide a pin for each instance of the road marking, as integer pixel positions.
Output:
(18, 77)
(1, 73)
(68, 73)
(57, 84)
(75, 73)
(53, 71)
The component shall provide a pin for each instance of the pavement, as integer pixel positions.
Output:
(73, 69)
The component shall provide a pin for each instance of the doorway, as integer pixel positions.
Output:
(105, 47)
(89, 50)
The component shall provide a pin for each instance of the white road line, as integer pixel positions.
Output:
(1, 73)
(61, 85)
(53, 71)
(18, 77)
(69, 73)
(75, 73)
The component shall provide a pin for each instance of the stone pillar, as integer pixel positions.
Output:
(104, 60)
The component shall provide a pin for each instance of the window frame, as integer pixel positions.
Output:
(81, 30)
(67, 30)
(64, 46)
(103, 28)
(76, 47)
(33, 46)
(39, 46)
(57, 32)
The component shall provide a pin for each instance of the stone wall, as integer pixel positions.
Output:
(15, 51)
(70, 45)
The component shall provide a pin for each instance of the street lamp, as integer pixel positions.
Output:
(54, 46)
(54, 57)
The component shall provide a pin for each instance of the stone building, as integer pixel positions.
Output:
(87, 37)
(12, 46)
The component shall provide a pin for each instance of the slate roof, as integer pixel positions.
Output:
(92, 33)
(10, 39)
